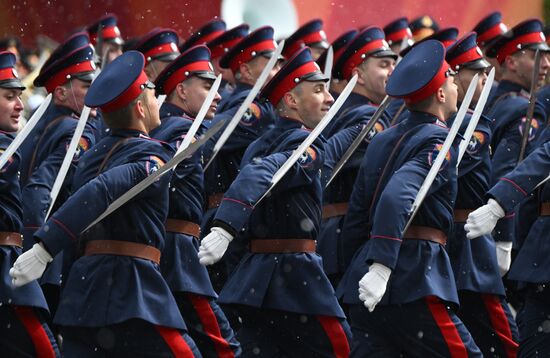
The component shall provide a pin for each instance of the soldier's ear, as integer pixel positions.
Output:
(244, 70)
(290, 100)
(359, 72)
(60, 93)
(139, 109)
(440, 95)
(181, 91)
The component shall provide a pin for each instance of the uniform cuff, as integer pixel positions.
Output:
(55, 236)
(384, 250)
(234, 213)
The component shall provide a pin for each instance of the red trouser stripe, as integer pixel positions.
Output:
(210, 325)
(447, 328)
(175, 341)
(39, 337)
(499, 321)
(336, 335)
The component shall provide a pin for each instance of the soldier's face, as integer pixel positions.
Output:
(463, 79)
(196, 90)
(74, 94)
(312, 102)
(523, 65)
(11, 107)
(316, 52)
(111, 51)
(152, 116)
(258, 64)
(373, 76)
(154, 68)
(451, 96)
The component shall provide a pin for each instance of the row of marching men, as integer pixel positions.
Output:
(126, 284)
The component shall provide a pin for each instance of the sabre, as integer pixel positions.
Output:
(328, 65)
(279, 174)
(200, 116)
(474, 120)
(432, 173)
(16, 143)
(160, 100)
(531, 107)
(247, 102)
(359, 139)
(60, 178)
(142, 185)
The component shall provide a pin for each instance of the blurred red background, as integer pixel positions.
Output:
(57, 18)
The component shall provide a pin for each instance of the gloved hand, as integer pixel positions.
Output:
(373, 285)
(214, 245)
(504, 256)
(483, 220)
(30, 265)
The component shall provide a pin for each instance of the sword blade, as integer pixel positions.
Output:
(63, 170)
(328, 65)
(531, 106)
(142, 185)
(246, 103)
(474, 120)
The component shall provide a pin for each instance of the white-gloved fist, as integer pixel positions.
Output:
(214, 245)
(504, 256)
(483, 220)
(373, 285)
(30, 265)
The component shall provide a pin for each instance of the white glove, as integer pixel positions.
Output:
(214, 245)
(504, 256)
(373, 285)
(30, 265)
(483, 220)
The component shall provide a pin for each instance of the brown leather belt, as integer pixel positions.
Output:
(122, 248)
(280, 246)
(332, 210)
(215, 200)
(426, 233)
(183, 227)
(461, 215)
(11, 239)
(544, 209)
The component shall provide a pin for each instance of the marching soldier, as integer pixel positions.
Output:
(398, 34)
(246, 60)
(159, 47)
(186, 82)
(531, 263)
(488, 29)
(483, 307)
(67, 78)
(115, 301)
(23, 311)
(507, 108)
(286, 302)
(400, 284)
(368, 56)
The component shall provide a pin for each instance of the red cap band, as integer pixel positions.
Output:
(246, 55)
(471, 55)
(219, 50)
(208, 37)
(399, 35)
(512, 46)
(7, 74)
(430, 88)
(357, 58)
(180, 75)
(110, 32)
(448, 43)
(289, 81)
(490, 34)
(127, 96)
(60, 78)
(161, 50)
